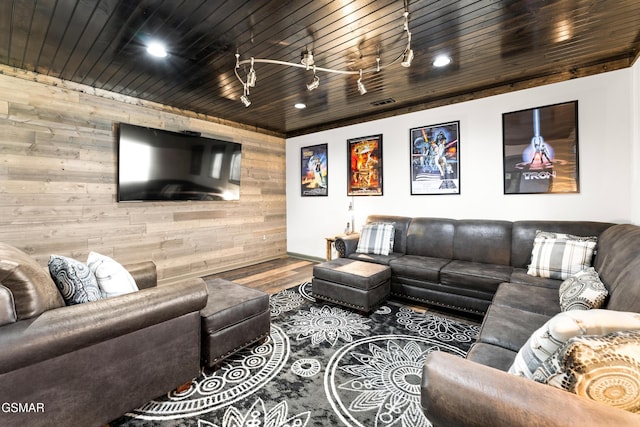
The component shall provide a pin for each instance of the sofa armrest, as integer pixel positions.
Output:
(66, 329)
(144, 273)
(347, 244)
(459, 392)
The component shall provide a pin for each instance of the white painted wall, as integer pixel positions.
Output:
(606, 125)
(635, 137)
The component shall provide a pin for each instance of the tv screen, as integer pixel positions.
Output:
(159, 165)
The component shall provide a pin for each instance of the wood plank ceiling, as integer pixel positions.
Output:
(495, 46)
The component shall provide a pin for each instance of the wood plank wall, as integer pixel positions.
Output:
(58, 167)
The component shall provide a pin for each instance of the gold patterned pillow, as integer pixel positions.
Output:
(604, 368)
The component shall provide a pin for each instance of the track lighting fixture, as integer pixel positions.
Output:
(361, 87)
(251, 77)
(307, 61)
(315, 83)
(245, 98)
(407, 56)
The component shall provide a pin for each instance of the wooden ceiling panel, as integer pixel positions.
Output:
(495, 46)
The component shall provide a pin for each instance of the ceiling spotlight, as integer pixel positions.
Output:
(361, 87)
(316, 81)
(307, 59)
(441, 61)
(300, 105)
(251, 77)
(157, 49)
(245, 100)
(407, 58)
(245, 97)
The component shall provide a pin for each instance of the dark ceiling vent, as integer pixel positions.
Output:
(383, 102)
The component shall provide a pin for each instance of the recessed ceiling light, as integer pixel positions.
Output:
(300, 105)
(156, 49)
(441, 61)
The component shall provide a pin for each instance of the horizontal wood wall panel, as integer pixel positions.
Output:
(58, 171)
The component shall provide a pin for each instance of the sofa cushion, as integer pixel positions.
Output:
(491, 355)
(418, 267)
(618, 265)
(32, 288)
(583, 291)
(76, 282)
(376, 239)
(483, 241)
(601, 368)
(530, 298)
(431, 237)
(113, 279)
(563, 326)
(519, 275)
(475, 275)
(7, 306)
(560, 255)
(509, 327)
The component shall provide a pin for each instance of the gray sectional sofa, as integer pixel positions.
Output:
(480, 266)
(87, 364)
(459, 263)
(468, 392)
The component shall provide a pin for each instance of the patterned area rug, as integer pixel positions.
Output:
(323, 365)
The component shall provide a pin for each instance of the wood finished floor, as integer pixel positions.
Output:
(271, 276)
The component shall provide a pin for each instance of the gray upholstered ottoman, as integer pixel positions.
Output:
(355, 284)
(235, 317)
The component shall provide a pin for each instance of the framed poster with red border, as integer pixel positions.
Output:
(364, 174)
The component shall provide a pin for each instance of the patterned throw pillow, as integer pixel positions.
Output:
(562, 327)
(559, 255)
(113, 279)
(76, 282)
(583, 291)
(376, 239)
(601, 368)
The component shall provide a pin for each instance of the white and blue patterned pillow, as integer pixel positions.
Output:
(113, 279)
(583, 291)
(560, 255)
(376, 239)
(74, 280)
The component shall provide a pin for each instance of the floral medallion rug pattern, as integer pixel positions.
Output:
(323, 365)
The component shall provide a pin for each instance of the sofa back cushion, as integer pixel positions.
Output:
(7, 306)
(618, 264)
(400, 225)
(524, 233)
(486, 241)
(32, 288)
(432, 237)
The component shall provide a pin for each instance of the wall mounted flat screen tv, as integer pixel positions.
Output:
(159, 165)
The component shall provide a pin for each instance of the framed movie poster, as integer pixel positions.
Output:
(435, 159)
(364, 172)
(540, 149)
(314, 175)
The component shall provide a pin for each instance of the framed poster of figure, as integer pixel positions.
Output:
(540, 150)
(314, 175)
(364, 174)
(435, 159)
